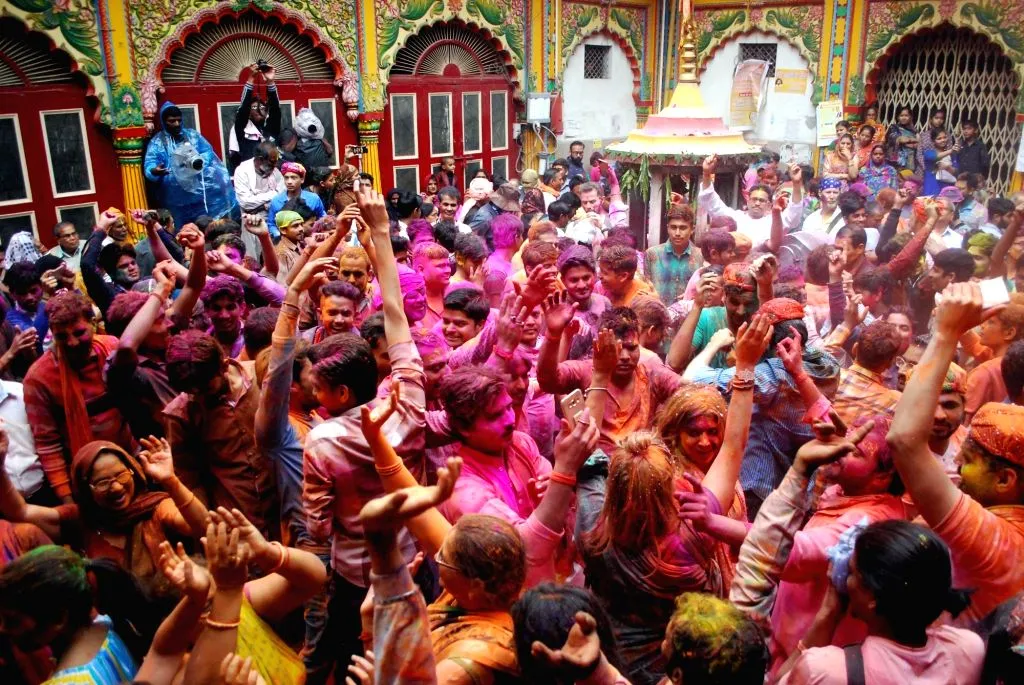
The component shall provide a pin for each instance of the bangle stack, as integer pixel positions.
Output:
(390, 469)
(218, 625)
(742, 381)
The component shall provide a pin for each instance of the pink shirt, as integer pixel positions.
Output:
(805, 576)
(952, 656)
(498, 486)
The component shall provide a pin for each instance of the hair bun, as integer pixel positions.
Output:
(957, 601)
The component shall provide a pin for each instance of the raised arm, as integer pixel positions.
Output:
(158, 464)
(926, 481)
(778, 230)
(721, 339)
(558, 312)
(256, 225)
(682, 344)
(751, 342)
(375, 214)
(292, 575)
(998, 261)
(191, 237)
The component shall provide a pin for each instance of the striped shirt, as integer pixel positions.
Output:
(863, 393)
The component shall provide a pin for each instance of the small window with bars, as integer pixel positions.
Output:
(765, 52)
(595, 61)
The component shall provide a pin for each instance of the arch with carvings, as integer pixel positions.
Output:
(801, 27)
(891, 23)
(153, 56)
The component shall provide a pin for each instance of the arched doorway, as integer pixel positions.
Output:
(967, 74)
(204, 76)
(56, 164)
(449, 95)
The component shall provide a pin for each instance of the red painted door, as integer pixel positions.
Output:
(56, 163)
(430, 118)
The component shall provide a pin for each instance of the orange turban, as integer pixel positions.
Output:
(781, 309)
(999, 428)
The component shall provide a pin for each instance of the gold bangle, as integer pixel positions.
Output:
(390, 469)
(218, 625)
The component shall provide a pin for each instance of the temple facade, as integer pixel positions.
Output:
(496, 84)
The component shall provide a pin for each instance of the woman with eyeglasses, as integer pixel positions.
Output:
(123, 518)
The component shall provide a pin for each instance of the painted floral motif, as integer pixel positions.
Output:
(154, 22)
(72, 23)
(127, 106)
(578, 20)
(1001, 22)
(801, 26)
(888, 22)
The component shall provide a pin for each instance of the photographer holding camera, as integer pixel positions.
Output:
(256, 119)
(189, 178)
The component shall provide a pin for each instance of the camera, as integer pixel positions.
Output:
(262, 65)
(356, 150)
(150, 215)
(195, 162)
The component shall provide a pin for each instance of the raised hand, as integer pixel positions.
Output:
(157, 462)
(791, 353)
(707, 287)
(828, 446)
(901, 199)
(374, 210)
(189, 578)
(606, 353)
(960, 309)
(255, 225)
(780, 204)
(752, 340)
(373, 419)
(558, 312)
(710, 165)
(313, 273)
(389, 513)
(836, 265)
(227, 558)
(854, 316)
(510, 322)
(24, 340)
(191, 237)
(796, 174)
(580, 654)
(539, 284)
(217, 262)
(248, 535)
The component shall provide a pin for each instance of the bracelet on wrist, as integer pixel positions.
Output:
(503, 353)
(218, 625)
(563, 479)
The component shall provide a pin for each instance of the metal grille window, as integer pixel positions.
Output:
(766, 52)
(595, 61)
(966, 74)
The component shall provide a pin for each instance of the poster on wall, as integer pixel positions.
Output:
(829, 114)
(791, 81)
(748, 86)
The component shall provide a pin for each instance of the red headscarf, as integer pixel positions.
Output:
(738, 274)
(781, 309)
(999, 428)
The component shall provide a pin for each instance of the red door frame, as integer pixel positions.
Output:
(28, 103)
(425, 86)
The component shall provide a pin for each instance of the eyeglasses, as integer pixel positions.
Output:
(441, 562)
(103, 486)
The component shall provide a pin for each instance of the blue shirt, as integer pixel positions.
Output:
(777, 429)
(23, 320)
(312, 201)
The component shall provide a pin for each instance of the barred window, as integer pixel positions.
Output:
(595, 61)
(766, 52)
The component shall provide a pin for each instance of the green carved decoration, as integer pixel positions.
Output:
(75, 21)
(855, 90)
(901, 21)
(127, 106)
(1002, 22)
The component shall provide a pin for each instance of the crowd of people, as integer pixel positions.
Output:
(287, 429)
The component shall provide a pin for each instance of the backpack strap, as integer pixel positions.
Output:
(854, 665)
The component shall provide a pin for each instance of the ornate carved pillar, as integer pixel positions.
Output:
(369, 135)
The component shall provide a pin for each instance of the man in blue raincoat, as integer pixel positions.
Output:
(190, 178)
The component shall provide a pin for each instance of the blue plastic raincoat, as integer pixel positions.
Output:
(199, 182)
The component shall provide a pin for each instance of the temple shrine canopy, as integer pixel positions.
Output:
(682, 134)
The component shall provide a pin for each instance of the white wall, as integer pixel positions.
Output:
(786, 118)
(597, 109)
